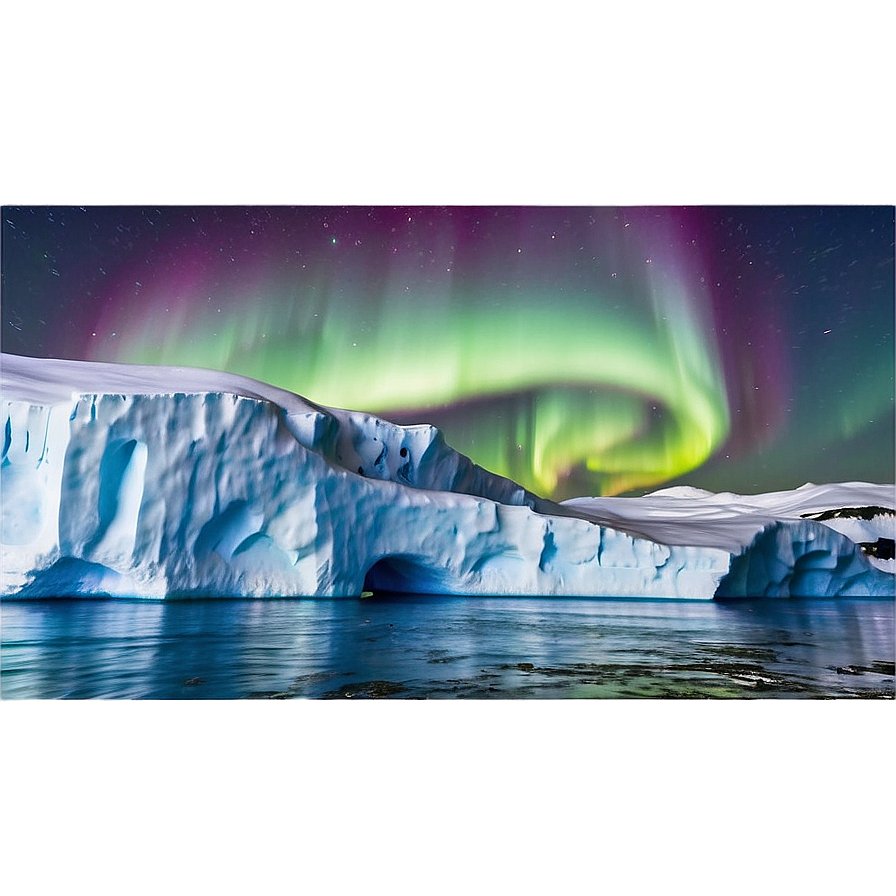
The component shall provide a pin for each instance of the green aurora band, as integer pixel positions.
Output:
(603, 390)
(578, 350)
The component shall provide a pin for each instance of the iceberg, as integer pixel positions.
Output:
(171, 482)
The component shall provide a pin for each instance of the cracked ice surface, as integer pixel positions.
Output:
(161, 482)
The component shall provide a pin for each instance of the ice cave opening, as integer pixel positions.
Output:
(406, 574)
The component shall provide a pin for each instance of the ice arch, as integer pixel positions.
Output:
(408, 574)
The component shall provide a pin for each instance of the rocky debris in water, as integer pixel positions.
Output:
(739, 651)
(367, 689)
(878, 667)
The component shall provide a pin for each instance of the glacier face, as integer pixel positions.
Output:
(169, 482)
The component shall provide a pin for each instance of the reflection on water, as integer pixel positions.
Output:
(424, 646)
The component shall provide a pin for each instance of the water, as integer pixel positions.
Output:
(437, 647)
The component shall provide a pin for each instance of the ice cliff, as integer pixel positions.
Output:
(168, 482)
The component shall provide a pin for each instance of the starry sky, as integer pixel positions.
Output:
(580, 351)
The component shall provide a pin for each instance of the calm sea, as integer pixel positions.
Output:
(438, 647)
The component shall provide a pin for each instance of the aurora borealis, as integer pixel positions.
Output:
(576, 350)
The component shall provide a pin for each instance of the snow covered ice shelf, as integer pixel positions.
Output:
(174, 482)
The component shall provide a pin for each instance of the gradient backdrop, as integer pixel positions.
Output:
(576, 350)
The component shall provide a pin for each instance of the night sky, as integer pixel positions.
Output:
(577, 350)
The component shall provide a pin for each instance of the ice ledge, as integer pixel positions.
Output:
(159, 482)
